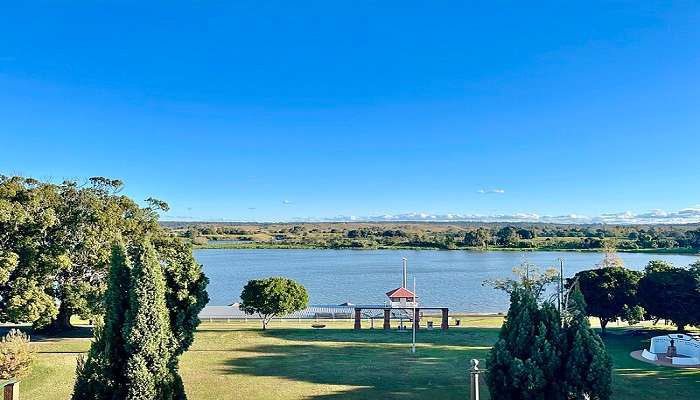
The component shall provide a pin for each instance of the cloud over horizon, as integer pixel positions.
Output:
(683, 216)
(655, 216)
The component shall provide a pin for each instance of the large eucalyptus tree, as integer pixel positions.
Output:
(55, 247)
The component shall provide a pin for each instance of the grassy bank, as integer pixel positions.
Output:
(293, 361)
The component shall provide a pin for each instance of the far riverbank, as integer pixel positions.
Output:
(289, 246)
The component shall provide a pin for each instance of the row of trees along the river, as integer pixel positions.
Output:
(661, 291)
(453, 235)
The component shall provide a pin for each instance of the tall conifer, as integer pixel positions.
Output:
(134, 355)
(539, 355)
(525, 361)
(151, 365)
(100, 375)
(588, 367)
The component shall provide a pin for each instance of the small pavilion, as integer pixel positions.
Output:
(404, 301)
(401, 297)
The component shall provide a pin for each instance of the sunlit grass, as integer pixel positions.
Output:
(294, 361)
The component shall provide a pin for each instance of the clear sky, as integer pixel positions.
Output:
(283, 110)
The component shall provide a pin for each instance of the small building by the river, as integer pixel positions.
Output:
(402, 297)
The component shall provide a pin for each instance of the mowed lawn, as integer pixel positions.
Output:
(291, 360)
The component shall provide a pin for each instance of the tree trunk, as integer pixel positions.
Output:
(680, 328)
(603, 324)
(62, 321)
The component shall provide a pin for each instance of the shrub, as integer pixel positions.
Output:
(16, 355)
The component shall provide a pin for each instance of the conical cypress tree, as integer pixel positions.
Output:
(133, 356)
(525, 361)
(547, 351)
(101, 375)
(588, 366)
(151, 369)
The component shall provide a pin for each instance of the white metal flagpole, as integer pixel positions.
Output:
(415, 297)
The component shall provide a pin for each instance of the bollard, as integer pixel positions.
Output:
(474, 379)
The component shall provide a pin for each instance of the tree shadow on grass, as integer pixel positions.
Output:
(378, 364)
(375, 365)
(78, 332)
(451, 337)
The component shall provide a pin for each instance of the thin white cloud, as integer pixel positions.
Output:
(683, 216)
(286, 202)
(491, 191)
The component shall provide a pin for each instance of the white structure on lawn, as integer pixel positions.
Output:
(687, 349)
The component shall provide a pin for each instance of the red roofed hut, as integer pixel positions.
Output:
(402, 297)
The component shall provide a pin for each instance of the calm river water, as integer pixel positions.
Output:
(444, 278)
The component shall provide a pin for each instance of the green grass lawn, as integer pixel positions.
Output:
(292, 361)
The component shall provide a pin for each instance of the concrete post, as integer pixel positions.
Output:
(474, 380)
(445, 319)
(358, 319)
(387, 318)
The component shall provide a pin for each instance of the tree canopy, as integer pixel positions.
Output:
(55, 247)
(610, 292)
(527, 276)
(479, 237)
(507, 236)
(672, 293)
(272, 297)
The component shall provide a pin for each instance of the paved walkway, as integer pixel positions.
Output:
(663, 360)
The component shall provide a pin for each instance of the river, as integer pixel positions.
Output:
(444, 278)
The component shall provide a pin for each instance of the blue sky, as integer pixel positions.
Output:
(267, 111)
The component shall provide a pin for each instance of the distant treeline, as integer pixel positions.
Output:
(681, 238)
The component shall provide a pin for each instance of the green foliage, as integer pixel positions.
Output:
(525, 360)
(442, 235)
(55, 247)
(104, 369)
(524, 233)
(151, 368)
(272, 297)
(135, 355)
(186, 288)
(610, 293)
(673, 293)
(694, 239)
(92, 380)
(540, 355)
(16, 355)
(587, 367)
(507, 236)
(528, 277)
(477, 238)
